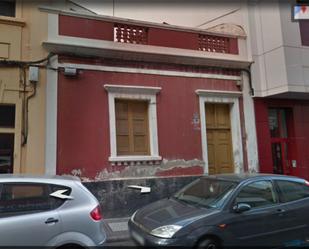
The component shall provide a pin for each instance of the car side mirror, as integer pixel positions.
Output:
(241, 207)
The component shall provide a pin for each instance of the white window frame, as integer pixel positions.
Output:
(225, 97)
(133, 93)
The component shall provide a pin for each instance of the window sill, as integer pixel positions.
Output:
(134, 158)
(12, 21)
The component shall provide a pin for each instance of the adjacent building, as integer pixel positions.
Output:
(22, 103)
(23, 27)
(281, 82)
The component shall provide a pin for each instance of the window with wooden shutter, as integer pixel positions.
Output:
(132, 128)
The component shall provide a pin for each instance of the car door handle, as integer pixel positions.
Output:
(51, 220)
(280, 211)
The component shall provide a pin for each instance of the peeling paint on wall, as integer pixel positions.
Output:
(178, 167)
(76, 172)
(238, 165)
(179, 133)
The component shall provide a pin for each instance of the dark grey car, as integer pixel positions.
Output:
(228, 210)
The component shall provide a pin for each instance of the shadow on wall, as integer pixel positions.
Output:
(117, 200)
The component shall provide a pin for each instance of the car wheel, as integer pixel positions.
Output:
(208, 244)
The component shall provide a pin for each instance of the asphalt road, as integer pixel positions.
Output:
(123, 243)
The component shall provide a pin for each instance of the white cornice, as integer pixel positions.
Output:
(138, 52)
(212, 93)
(229, 29)
(132, 89)
(149, 71)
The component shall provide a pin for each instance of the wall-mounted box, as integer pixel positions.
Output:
(33, 74)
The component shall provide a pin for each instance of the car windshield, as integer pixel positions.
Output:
(206, 192)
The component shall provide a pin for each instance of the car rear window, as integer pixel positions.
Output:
(20, 198)
(57, 202)
(292, 191)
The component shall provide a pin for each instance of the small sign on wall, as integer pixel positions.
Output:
(196, 121)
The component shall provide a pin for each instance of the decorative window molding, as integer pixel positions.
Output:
(136, 90)
(133, 93)
(225, 97)
(212, 93)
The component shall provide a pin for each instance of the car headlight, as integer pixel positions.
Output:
(166, 232)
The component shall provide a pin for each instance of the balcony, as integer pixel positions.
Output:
(144, 41)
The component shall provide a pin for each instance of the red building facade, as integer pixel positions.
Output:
(136, 99)
(283, 133)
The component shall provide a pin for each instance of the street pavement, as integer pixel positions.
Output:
(117, 232)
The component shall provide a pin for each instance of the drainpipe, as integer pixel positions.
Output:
(248, 71)
(23, 66)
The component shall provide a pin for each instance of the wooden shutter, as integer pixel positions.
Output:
(132, 127)
(122, 127)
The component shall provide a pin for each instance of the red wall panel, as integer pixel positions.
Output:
(299, 134)
(234, 46)
(83, 119)
(171, 38)
(104, 30)
(263, 137)
(85, 28)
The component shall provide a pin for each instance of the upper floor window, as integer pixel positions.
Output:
(7, 8)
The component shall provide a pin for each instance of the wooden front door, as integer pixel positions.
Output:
(219, 141)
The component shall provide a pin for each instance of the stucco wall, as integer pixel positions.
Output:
(83, 145)
(35, 30)
(24, 33)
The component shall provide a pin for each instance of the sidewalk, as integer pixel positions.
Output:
(116, 229)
